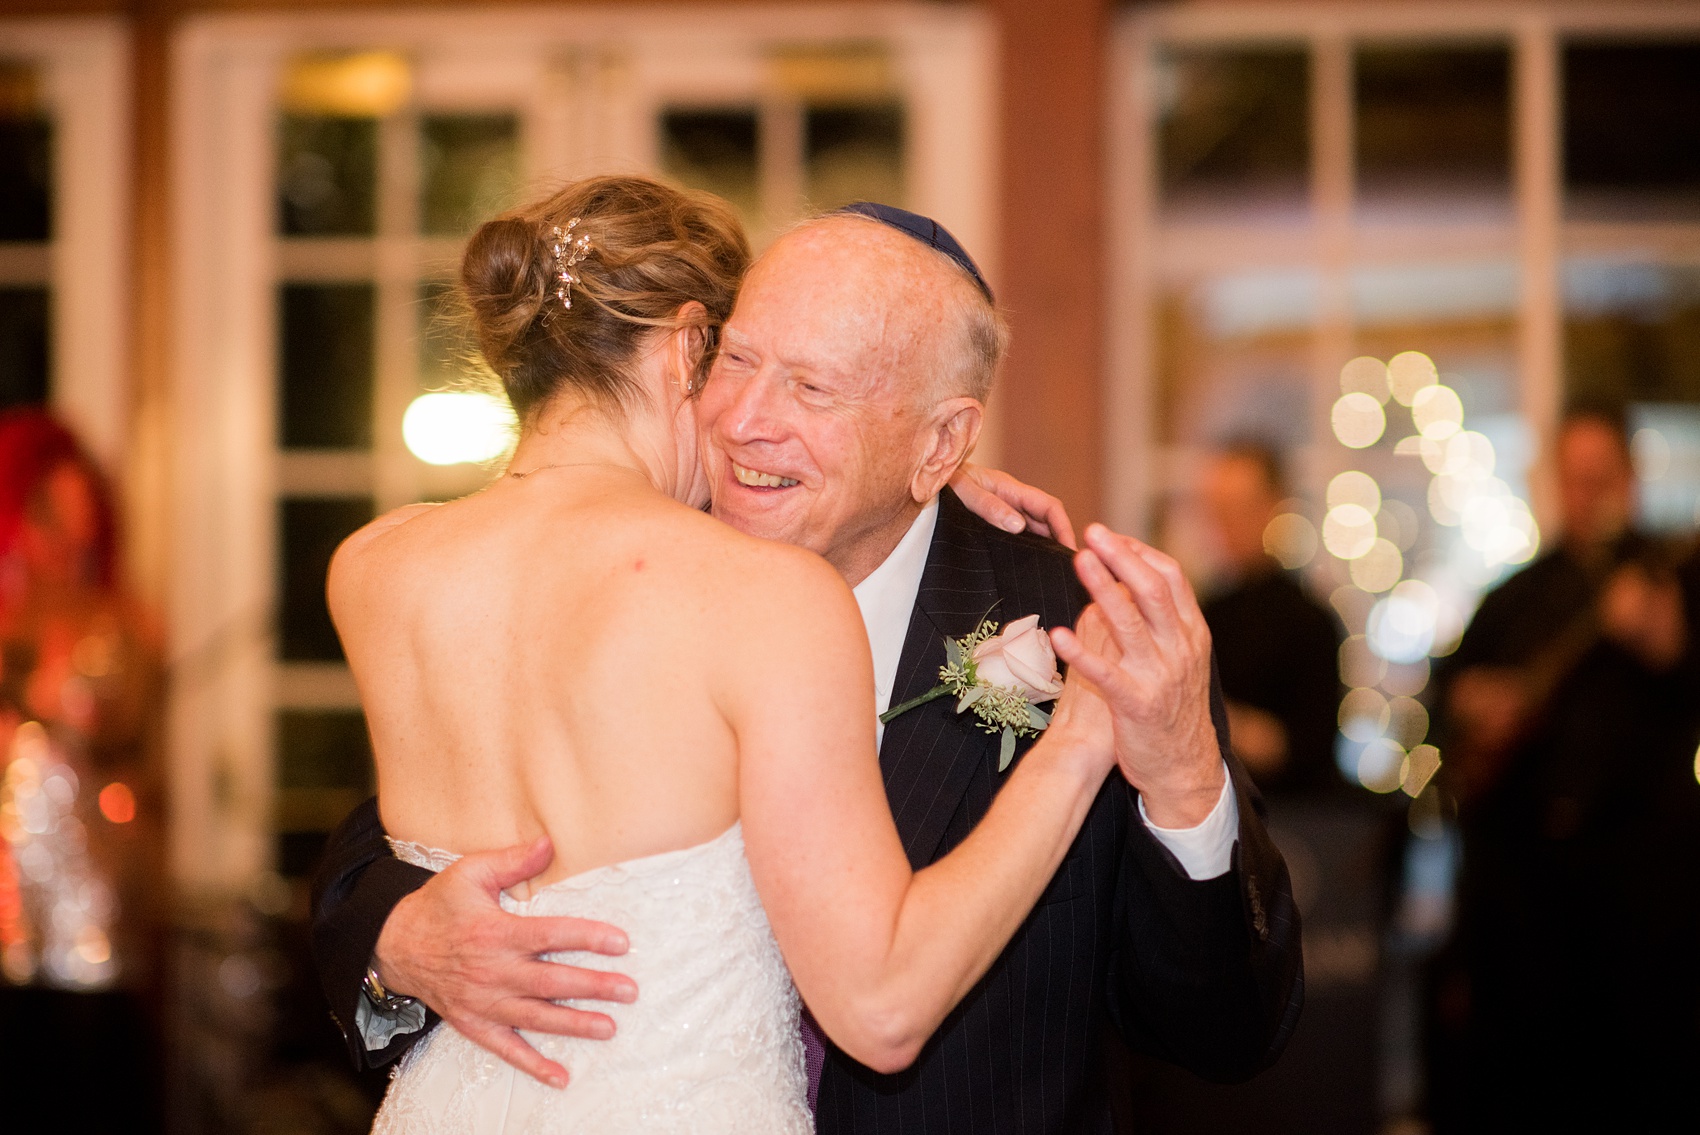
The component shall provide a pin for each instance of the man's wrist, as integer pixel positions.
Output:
(1185, 802)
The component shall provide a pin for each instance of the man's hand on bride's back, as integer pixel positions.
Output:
(451, 945)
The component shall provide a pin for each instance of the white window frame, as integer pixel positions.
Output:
(85, 70)
(590, 81)
(1146, 252)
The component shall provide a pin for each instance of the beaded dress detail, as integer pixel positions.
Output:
(711, 1044)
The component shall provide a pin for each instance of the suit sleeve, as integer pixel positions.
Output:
(1207, 974)
(356, 886)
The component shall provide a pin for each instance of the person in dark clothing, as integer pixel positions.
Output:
(1568, 995)
(1278, 648)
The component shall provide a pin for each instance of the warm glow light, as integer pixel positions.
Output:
(1363, 714)
(1401, 628)
(1360, 667)
(1291, 540)
(1358, 420)
(1348, 531)
(1652, 454)
(1365, 375)
(458, 427)
(1408, 372)
(1379, 568)
(118, 803)
(1420, 768)
(1353, 487)
(1381, 766)
(1437, 411)
(370, 84)
(1407, 721)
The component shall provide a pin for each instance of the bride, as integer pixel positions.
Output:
(579, 651)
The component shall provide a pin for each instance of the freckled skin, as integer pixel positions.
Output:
(824, 377)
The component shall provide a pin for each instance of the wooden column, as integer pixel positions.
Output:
(1052, 58)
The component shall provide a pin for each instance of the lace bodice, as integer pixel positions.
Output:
(711, 1044)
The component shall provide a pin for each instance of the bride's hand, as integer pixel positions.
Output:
(1081, 717)
(996, 497)
(451, 945)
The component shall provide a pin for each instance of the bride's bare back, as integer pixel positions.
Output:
(539, 659)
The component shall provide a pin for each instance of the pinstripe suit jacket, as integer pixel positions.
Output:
(1205, 974)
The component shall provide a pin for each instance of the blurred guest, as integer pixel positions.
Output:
(1569, 995)
(79, 808)
(1278, 648)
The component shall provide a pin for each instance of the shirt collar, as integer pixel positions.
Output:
(887, 598)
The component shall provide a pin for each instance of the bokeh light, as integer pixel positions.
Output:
(452, 428)
(118, 803)
(1364, 714)
(1358, 420)
(1366, 375)
(1348, 531)
(1437, 412)
(1360, 667)
(1651, 452)
(1290, 540)
(1354, 487)
(1406, 679)
(1420, 767)
(1408, 372)
(1379, 568)
(1407, 721)
(1381, 765)
(1401, 627)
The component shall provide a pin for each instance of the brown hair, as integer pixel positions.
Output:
(652, 249)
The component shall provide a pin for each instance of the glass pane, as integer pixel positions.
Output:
(1434, 121)
(326, 175)
(469, 170)
(25, 359)
(1234, 128)
(26, 157)
(854, 153)
(1632, 130)
(1666, 444)
(323, 748)
(1631, 331)
(309, 531)
(716, 150)
(326, 373)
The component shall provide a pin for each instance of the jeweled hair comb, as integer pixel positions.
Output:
(569, 251)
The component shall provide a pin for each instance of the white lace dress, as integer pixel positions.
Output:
(711, 1044)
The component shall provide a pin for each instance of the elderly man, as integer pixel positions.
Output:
(849, 386)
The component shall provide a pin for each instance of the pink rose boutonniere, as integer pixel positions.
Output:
(1001, 677)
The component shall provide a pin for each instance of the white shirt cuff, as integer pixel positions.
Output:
(1207, 850)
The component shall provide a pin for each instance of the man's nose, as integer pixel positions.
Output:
(753, 413)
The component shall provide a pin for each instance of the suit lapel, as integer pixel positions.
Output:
(930, 754)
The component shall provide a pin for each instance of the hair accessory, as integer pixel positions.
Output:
(568, 250)
(924, 229)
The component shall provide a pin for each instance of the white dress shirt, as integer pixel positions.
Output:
(887, 599)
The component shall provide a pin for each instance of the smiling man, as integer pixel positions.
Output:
(849, 388)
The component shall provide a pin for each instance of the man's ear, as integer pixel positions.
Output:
(948, 438)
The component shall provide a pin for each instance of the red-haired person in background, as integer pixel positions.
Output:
(79, 810)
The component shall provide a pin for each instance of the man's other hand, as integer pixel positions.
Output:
(451, 945)
(1158, 689)
(997, 498)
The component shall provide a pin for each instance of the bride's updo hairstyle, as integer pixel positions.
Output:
(651, 249)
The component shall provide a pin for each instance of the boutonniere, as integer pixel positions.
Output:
(1001, 677)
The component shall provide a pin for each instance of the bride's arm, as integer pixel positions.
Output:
(880, 953)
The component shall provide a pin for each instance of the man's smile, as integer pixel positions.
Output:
(758, 480)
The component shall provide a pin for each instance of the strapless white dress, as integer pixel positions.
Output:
(711, 1044)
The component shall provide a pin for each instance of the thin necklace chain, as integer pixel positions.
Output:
(573, 465)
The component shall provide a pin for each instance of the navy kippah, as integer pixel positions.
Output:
(924, 229)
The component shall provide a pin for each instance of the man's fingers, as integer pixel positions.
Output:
(1125, 620)
(559, 1020)
(1095, 668)
(561, 935)
(511, 1047)
(552, 981)
(496, 871)
(1151, 590)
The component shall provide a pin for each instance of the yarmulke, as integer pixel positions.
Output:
(924, 229)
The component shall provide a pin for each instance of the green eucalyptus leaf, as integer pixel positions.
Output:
(953, 651)
(970, 697)
(1006, 751)
(1037, 717)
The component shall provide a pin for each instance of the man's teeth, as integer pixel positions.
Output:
(760, 480)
